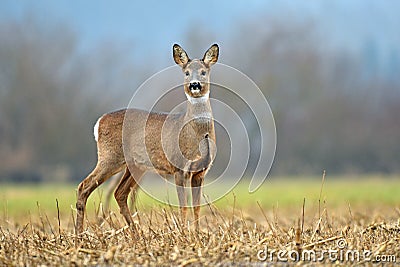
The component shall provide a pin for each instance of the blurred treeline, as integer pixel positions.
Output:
(334, 109)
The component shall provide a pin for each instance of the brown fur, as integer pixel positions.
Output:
(170, 144)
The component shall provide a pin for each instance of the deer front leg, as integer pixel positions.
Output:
(180, 182)
(197, 183)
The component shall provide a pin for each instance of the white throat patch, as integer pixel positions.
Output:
(206, 115)
(198, 100)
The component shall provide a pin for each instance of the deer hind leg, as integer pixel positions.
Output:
(100, 174)
(181, 182)
(128, 184)
(197, 183)
(111, 189)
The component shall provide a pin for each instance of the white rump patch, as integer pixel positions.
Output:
(96, 129)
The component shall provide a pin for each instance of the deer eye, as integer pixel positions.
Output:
(203, 73)
(187, 73)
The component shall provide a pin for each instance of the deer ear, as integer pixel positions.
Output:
(211, 56)
(180, 56)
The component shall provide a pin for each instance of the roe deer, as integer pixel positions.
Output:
(186, 152)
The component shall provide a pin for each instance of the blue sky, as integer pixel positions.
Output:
(153, 26)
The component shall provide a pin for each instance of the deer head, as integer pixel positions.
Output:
(196, 71)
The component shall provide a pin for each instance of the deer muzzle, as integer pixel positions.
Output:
(195, 86)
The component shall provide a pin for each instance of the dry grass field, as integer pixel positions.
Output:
(340, 222)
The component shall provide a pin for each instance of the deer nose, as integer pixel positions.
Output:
(194, 86)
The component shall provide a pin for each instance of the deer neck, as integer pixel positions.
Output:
(197, 124)
(199, 113)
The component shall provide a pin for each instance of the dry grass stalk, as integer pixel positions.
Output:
(163, 240)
